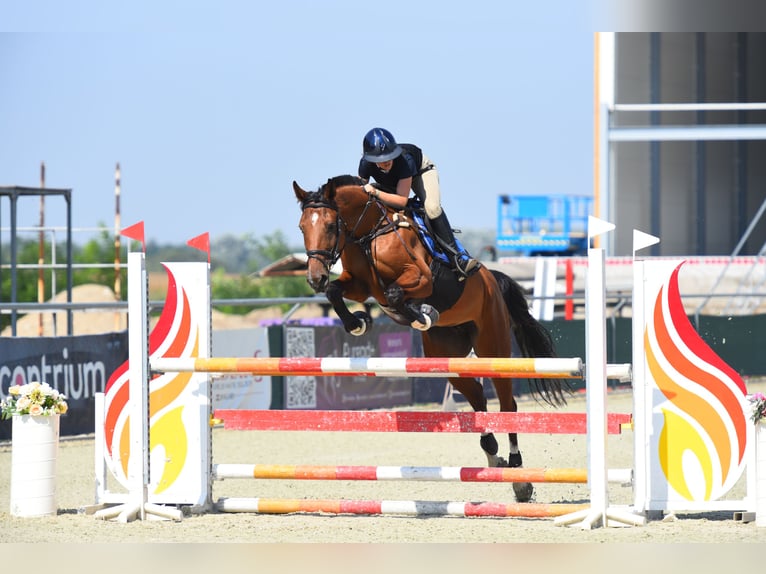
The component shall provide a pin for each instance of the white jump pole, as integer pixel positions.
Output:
(599, 513)
(138, 505)
(641, 402)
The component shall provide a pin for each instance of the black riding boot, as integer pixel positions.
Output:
(464, 263)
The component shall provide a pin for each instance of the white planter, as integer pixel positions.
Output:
(760, 474)
(34, 450)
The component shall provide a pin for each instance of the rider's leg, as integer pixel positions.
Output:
(426, 186)
(463, 262)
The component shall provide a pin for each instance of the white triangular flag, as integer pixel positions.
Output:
(642, 240)
(598, 226)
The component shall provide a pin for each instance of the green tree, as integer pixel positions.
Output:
(225, 286)
(100, 250)
(27, 252)
(246, 253)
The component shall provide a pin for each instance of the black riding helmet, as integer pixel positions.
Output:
(379, 146)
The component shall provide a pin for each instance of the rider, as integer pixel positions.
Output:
(402, 167)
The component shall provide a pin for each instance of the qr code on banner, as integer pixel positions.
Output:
(300, 392)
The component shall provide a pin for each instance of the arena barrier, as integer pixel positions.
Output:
(661, 479)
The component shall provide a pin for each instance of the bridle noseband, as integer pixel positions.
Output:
(327, 257)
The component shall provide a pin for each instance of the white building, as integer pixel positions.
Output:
(682, 140)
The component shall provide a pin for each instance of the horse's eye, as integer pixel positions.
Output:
(332, 227)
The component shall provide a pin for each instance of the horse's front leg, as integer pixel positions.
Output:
(405, 295)
(356, 323)
(420, 316)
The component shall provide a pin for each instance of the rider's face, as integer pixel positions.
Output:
(385, 165)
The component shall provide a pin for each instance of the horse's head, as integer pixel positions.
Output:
(320, 225)
(335, 213)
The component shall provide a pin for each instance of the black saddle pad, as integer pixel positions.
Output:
(448, 287)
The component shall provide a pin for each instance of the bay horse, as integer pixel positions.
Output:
(384, 257)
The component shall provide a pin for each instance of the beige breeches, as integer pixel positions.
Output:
(426, 186)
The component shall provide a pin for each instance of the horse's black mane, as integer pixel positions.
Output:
(317, 198)
(341, 180)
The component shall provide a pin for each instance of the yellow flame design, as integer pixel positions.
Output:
(706, 420)
(180, 337)
(169, 431)
(680, 442)
(165, 433)
(676, 438)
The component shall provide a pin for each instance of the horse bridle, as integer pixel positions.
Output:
(327, 257)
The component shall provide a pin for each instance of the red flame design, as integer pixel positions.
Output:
(117, 388)
(700, 367)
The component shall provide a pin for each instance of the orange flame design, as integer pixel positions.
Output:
(702, 443)
(173, 336)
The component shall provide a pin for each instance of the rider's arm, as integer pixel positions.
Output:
(396, 200)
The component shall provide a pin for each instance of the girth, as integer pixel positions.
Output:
(447, 286)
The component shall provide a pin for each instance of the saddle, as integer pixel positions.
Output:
(450, 285)
(416, 212)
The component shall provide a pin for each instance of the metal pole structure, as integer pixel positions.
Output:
(69, 272)
(117, 273)
(733, 254)
(14, 257)
(604, 87)
(597, 191)
(41, 252)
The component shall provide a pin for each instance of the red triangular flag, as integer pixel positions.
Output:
(136, 231)
(201, 242)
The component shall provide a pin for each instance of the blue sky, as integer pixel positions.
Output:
(212, 113)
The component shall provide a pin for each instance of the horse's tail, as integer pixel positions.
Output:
(533, 339)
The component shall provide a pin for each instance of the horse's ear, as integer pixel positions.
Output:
(299, 193)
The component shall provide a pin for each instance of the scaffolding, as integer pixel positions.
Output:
(13, 193)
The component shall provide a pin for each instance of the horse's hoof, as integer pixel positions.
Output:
(366, 323)
(523, 491)
(495, 461)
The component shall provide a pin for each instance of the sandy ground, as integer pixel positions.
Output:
(76, 490)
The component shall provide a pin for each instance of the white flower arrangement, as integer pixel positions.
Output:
(35, 398)
(758, 403)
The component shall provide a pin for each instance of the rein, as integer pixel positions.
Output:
(379, 229)
(383, 225)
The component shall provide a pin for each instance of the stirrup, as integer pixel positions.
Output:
(470, 266)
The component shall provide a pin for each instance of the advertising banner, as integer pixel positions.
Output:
(241, 390)
(349, 393)
(78, 367)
